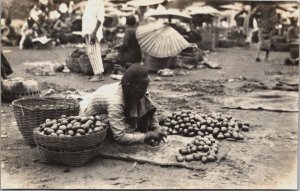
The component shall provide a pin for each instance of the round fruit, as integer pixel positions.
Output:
(48, 124)
(54, 127)
(64, 122)
(97, 129)
(174, 132)
(200, 148)
(204, 159)
(189, 158)
(241, 137)
(245, 128)
(179, 158)
(61, 135)
(227, 135)
(183, 151)
(69, 126)
(59, 132)
(53, 135)
(70, 132)
(235, 135)
(210, 129)
(200, 133)
(81, 131)
(208, 142)
(63, 127)
(194, 149)
(224, 129)
(210, 158)
(206, 147)
(167, 124)
(185, 131)
(203, 128)
(176, 127)
(196, 142)
(196, 157)
(77, 134)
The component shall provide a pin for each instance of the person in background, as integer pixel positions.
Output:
(9, 35)
(92, 24)
(293, 31)
(28, 33)
(128, 108)
(5, 67)
(130, 51)
(266, 17)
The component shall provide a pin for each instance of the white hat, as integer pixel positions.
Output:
(63, 8)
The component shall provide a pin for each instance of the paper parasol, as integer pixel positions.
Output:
(160, 40)
(204, 10)
(138, 3)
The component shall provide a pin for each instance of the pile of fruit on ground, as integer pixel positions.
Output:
(206, 129)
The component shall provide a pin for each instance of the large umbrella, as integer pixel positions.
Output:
(161, 41)
(203, 10)
(170, 13)
(138, 3)
(237, 7)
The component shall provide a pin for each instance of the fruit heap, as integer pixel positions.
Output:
(219, 125)
(72, 126)
(202, 149)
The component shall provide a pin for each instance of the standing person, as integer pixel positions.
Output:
(127, 107)
(266, 17)
(5, 67)
(92, 24)
(130, 51)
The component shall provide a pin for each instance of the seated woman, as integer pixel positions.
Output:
(28, 32)
(128, 107)
(130, 51)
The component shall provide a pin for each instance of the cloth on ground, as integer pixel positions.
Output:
(266, 100)
(163, 155)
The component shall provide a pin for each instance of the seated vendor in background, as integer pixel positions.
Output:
(129, 109)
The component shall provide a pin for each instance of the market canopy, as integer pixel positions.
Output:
(170, 13)
(138, 3)
(161, 41)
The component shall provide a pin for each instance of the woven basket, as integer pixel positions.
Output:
(31, 112)
(68, 143)
(8, 97)
(71, 158)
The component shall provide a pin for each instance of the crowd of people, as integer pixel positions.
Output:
(46, 19)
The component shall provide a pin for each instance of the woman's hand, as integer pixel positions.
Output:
(155, 137)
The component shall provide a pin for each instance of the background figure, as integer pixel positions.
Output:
(266, 17)
(28, 33)
(5, 67)
(9, 35)
(130, 51)
(92, 24)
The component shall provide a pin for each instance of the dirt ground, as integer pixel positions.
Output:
(266, 159)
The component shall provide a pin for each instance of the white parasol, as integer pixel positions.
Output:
(235, 6)
(203, 10)
(138, 3)
(160, 40)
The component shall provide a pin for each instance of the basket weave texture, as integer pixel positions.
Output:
(69, 158)
(31, 112)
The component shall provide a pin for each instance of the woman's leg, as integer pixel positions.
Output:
(267, 55)
(257, 57)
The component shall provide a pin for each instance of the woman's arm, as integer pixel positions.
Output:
(117, 124)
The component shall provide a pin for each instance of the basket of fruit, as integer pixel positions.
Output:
(72, 140)
(32, 111)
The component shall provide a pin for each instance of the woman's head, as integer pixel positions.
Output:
(135, 82)
(130, 20)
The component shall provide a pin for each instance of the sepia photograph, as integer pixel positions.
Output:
(149, 94)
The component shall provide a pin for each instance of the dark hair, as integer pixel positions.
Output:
(7, 21)
(133, 74)
(130, 20)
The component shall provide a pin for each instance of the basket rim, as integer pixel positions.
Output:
(16, 103)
